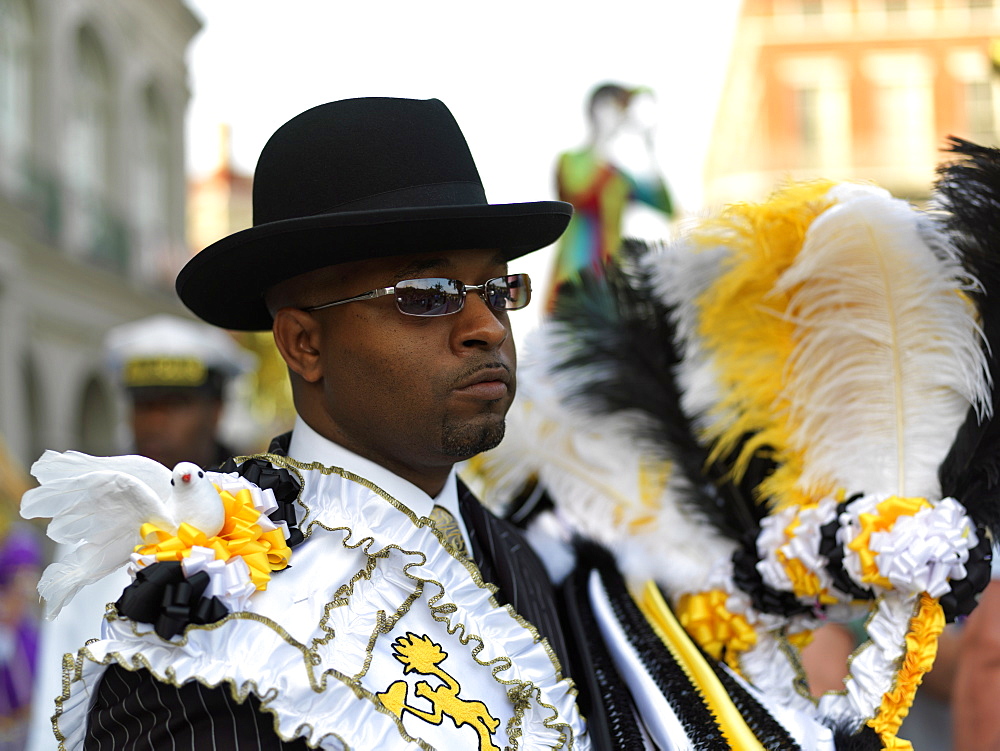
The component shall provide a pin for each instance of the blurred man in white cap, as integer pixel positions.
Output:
(174, 373)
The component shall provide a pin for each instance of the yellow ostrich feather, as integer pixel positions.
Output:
(742, 324)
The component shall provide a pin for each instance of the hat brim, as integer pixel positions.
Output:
(225, 283)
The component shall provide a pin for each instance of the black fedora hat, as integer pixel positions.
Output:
(351, 180)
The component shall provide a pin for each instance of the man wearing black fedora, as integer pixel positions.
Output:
(408, 616)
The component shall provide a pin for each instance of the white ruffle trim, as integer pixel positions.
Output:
(302, 644)
(919, 553)
(874, 665)
(795, 533)
(772, 666)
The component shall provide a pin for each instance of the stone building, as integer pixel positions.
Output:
(93, 95)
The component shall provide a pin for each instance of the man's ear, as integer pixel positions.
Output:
(297, 336)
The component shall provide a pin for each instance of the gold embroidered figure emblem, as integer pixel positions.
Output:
(420, 655)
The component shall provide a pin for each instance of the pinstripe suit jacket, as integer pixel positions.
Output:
(132, 711)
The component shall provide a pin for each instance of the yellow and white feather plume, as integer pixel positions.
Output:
(802, 366)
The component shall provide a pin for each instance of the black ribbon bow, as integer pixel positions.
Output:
(163, 596)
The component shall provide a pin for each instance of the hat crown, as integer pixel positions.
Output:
(351, 181)
(365, 154)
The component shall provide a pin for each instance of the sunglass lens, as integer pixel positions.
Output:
(428, 297)
(509, 292)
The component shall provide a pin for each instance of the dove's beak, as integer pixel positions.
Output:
(186, 477)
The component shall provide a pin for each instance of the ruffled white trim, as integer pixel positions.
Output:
(799, 542)
(875, 664)
(773, 667)
(304, 644)
(919, 553)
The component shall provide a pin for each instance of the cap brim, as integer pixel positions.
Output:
(225, 283)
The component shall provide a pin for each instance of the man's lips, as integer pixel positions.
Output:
(488, 383)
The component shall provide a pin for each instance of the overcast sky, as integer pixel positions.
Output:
(515, 74)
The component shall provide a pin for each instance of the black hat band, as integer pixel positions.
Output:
(419, 196)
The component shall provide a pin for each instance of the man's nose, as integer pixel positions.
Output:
(477, 325)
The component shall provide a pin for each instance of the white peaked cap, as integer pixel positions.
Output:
(167, 338)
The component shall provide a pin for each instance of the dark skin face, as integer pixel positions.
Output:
(176, 426)
(414, 395)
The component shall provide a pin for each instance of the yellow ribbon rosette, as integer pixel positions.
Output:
(885, 516)
(263, 550)
(721, 633)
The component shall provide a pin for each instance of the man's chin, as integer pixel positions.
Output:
(465, 441)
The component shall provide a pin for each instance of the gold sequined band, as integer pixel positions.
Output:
(164, 371)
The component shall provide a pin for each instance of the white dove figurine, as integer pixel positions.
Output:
(101, 502)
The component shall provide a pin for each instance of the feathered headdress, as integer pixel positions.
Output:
(813, 372)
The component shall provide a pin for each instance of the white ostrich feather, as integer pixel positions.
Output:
(592, 468)
(680, 275)
(888, 355)
(100, 503)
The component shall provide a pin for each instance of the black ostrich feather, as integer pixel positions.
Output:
(622, 345)
(968, 189)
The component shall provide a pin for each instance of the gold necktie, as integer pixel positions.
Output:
(447, 525)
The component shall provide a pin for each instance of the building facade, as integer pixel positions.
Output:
(93, 95)
(259, 405)
(843, 89)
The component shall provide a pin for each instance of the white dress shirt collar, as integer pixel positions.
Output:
(309, 446)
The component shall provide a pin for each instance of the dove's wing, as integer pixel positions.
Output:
(53, 465)
(85, 565)
(96, 506)
(104, 510)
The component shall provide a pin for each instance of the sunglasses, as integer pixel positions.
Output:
(441, 297)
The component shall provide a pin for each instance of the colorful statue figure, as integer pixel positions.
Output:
(615, 168)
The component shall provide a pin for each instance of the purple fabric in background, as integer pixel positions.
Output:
(19, 548)
(20, 565)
